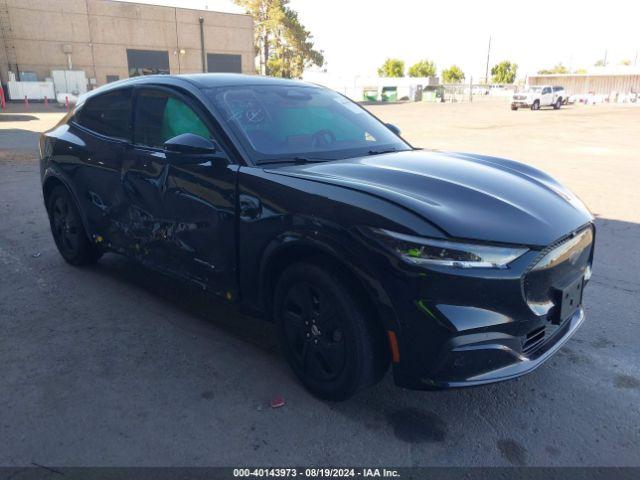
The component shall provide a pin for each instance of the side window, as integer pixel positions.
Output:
(546, 90)
(161, 116)
(108, 114)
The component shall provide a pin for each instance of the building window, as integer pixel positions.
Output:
(113, 78)
(223, 63)
(147, 62)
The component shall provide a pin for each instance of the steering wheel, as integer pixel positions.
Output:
(322, 138)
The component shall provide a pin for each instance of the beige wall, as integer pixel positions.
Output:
(100, 31)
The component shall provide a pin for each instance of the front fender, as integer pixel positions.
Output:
(290, 245)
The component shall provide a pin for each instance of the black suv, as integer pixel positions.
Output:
(298, 204)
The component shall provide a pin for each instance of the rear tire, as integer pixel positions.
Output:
(535, 105)
(325, 336)
(67, 229)
(558, 104)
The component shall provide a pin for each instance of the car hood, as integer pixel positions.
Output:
(467, 196)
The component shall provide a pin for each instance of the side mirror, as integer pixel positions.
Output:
(393, 128)
(189, 148)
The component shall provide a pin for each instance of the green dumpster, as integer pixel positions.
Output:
(389, 94)
(433, 93)
(370, 95)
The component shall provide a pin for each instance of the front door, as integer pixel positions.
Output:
(547, 96)
(186, 213)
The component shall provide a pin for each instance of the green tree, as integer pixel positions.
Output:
(504, 72)
(557, 69)
(626, 62)
(599, 63)
(283, 45)
(424, 68)
(453, 74)
(392, 67)
(580, 71)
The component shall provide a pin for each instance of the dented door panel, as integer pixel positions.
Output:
(143, 226)
(200, 202)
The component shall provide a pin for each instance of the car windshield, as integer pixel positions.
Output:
(276, 122)
(534, 89)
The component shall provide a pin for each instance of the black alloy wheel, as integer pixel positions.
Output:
(325, 337)
(67, 229)
(313, 332)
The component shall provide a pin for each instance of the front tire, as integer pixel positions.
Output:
(325, 336)
(513, 107)
(67, 229)
(535, 105)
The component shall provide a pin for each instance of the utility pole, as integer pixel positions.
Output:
(605, 58)
(202, 52)
(635, 60)
(486, 72)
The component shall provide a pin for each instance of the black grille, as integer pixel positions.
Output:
(534, 339)
(556, 267)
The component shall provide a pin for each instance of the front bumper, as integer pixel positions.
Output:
(520, 103)
(474, 327)
(465, 363)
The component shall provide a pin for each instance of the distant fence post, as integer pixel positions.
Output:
(470, 89)
(66, 102)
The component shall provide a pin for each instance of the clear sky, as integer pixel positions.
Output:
(357, 35)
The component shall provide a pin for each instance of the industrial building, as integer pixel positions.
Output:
(605, 83)
(111, 40)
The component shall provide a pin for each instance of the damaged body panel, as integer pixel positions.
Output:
(246, 185)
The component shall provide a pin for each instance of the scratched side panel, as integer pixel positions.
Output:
(200, 202)
(91, 167)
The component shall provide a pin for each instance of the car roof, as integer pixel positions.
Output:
(209, 80)
(198, 80)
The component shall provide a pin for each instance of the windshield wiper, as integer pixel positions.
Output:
(296, 160)
(380, 152)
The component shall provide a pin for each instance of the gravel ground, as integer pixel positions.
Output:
(114, 366)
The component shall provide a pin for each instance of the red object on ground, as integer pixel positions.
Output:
(46, 100)
(26, 102)
(3, 102)
(277, 401)
(66, 102)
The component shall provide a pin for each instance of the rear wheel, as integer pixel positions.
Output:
(535, 105)
(67, 229)
(558, 104)
(325, 337)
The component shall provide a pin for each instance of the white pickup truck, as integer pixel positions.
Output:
(539, 96)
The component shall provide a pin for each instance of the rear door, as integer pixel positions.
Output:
(99, 135)
(185, 213)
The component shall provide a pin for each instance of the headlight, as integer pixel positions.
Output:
(429, 251)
